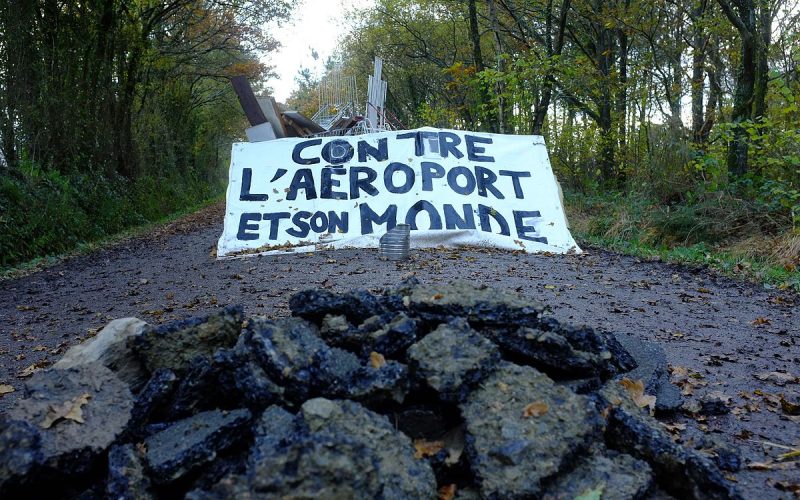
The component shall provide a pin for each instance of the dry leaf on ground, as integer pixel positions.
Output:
(68, 410)
(425, 448)
(686, 380)
(376, 360)
(30, 370)
(790, 407)
(635, 389)
(535, 409)
(6, 389)
(447, 492)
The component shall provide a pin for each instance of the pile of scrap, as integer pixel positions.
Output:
(337, 115)
(268, 122)
(416, 392)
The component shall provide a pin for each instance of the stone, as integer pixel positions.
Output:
(479, 305)
(331, 449)
(314, 305)
(153, 397)
(289, 350)
(652, 370)
(391, 453)
(546, 351)
(581, 385)
(98, 406)
(453, 359)
(392, 338)
(127, 479)
(615, 358)
(190, 443)
(20, 453)
(616, 476)
(715, 403)
(389, 334)
(316, 465)
(679, 471)
(523, 429)
(375, 386)
(248, 381)
(174, 345)
(111, 347)
(206, 385)
(337, 369)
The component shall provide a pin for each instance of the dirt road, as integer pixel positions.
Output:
(723, 332)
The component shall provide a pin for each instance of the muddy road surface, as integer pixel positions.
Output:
(726, 338)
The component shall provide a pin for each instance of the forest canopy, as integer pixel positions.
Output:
(669, 122)
(678, 117)
(116, 112)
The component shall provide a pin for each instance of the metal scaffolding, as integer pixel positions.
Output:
(339, 108)
(338, 99)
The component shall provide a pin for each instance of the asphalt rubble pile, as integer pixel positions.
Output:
(421, 391)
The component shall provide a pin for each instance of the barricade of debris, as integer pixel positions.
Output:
(421, 391)
(339, 111)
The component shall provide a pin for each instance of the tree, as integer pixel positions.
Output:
(753, 20)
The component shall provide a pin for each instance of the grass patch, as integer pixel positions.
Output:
(730, 235)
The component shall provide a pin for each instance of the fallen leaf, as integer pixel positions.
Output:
(686, 380)
(535, 409)
(447, 492)
(787, 486)
(760, 321)
(790, 407)
(30, 370)
(425, 448)
(438, 296)
(777, 378)
(674, 428)
(68, 410)
(635, 390)
(376, 360)
(6, 389)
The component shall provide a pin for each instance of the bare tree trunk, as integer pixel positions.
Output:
(500, 66)
(622, 99)
(753, 20)
(699, 42)
(475, 36)
(553, 50)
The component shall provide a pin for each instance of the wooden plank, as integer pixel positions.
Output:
(270, 109)
(303, 122)
(248, 100)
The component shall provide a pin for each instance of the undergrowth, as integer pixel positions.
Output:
(46, 213)
(720, 229)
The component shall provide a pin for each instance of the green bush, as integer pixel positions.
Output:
(46, 212)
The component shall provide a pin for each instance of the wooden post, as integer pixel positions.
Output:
(248, 101)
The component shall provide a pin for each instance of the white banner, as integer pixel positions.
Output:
(454, 188)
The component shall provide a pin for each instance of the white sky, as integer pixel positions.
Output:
(316, 25)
